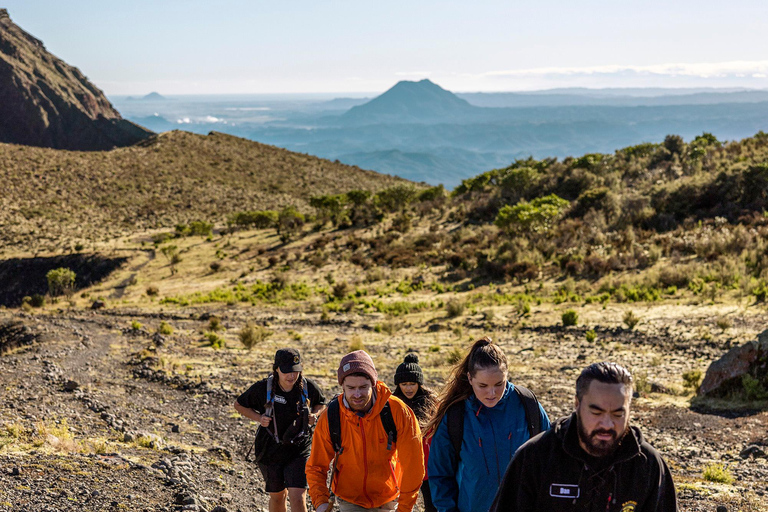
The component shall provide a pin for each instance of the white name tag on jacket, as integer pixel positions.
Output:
(564, 491)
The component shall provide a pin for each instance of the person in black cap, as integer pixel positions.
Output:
(409, 387)
(285, 405)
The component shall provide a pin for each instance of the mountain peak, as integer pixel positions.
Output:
(47, 102)
(409, 101)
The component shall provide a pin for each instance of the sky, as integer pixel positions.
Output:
(361, 46)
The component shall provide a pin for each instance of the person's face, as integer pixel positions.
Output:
(287, 380)
(488, 385)
(409, 389)
(358, 391)
(602, 416)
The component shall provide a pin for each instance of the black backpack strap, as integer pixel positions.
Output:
(334, 423)
(455, 415)
(388, 422)
(531, 406)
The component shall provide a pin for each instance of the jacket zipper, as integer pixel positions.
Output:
(485, 459)
(394, 478)
(365, 462)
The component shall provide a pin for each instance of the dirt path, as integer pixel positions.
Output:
(98, 416)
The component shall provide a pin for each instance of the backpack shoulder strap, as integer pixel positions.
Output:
(388, 422)
(334, 423)
(304, 391)
(531, 406)
(270, 382)
(455, 415)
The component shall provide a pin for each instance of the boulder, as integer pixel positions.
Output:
(750, 358)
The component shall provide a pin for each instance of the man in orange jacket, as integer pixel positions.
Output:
(371, 473)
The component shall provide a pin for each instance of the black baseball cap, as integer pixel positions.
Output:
(288, 360)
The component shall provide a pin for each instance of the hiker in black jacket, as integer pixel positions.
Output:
(409, 387)
(592, 460)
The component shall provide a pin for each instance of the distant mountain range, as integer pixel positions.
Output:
(46, 102)
(423, 132)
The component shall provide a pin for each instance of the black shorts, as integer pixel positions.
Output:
(285, 474)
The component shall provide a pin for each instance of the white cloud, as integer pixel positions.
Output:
(701, 70)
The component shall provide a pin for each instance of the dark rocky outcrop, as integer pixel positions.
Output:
(743, 370)
(46, 102)
(20, 277)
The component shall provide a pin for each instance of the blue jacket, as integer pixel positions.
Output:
(491, 437)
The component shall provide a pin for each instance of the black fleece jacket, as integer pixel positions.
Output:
(552, 473)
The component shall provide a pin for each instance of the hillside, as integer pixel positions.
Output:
(653, 256)
(56, 197)
(46, 102)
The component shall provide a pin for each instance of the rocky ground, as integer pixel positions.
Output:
(98, 415)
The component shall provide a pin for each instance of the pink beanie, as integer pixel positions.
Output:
(357, 362)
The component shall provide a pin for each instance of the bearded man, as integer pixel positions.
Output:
(592, 460)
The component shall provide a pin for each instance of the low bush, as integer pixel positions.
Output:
(630, 320)
(717, 473)
(251, 335)
(454, 308)
(570, 317)
(165, 328)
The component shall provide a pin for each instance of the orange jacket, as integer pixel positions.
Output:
(367, 474)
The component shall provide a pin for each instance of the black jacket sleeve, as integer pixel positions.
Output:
(665, 497)
(517, 492)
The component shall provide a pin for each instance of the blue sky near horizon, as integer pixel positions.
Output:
(344, 46)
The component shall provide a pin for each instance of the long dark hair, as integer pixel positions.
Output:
(483, 354)
(423, 403)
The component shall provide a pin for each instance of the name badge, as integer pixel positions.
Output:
(564, 491)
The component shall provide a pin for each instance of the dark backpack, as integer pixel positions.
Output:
(263, 434)
(334, 424)
(455, 415)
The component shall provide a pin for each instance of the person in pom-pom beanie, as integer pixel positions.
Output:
(409, 387)
(367, 472)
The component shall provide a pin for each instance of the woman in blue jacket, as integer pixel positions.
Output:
(494, 426)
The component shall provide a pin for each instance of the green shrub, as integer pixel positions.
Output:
(61, 281)
(136, 325)
(214, 324)
(630, 320)
(454, 308)
(340, 290)
(215, 340)
(692, 380)
(538, 215)
(165, 328)
(200, 228)
(570, 317)
(36, 300)
(356, 343)
(251, 335)
(591, 336)
(724, 323)
(717, 473)
(753, 388)
(455, 356)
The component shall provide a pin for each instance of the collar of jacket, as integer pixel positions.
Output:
(477, 405)
(566, 430)
(381, 394)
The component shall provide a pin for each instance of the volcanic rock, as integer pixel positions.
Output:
(46, 102)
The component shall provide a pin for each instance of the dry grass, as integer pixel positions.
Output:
(62, 198)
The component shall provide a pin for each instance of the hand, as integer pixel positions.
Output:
(322, 508)
(265, 420)
(312, 419)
